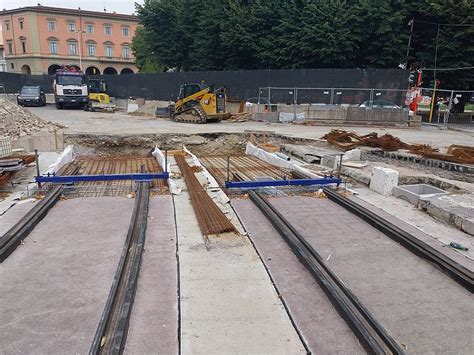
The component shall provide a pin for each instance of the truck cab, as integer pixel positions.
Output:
(70, 89)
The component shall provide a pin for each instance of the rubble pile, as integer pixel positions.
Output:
(15, 121)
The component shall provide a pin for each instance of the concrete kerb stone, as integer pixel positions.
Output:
(383, 180)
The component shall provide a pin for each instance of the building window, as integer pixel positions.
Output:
(90, 28)
(12, 65)
(109, 51)
(125, 51)
(125, 31)
(7, 25)
(20, 21)
(23, 44)
(72, 47)
(91, 49)
(71, 27)
(108, 30)
(53, 47)
(51, 25)
(10, 47)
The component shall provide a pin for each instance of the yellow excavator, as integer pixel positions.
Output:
(99, 99)
(199, 103)
(98, 91)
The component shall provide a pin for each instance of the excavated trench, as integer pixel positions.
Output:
(225, 144)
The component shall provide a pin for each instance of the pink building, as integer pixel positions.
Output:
(39, 39)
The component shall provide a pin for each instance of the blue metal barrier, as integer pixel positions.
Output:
(291, 182)
(66, 179)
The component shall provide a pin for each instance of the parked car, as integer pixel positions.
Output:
(31, 95)
(379, 104)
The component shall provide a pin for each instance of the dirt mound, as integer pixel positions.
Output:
(149, 108)
(15, 121)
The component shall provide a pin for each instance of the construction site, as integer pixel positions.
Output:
(208, 225)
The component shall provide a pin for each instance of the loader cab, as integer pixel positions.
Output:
(187, 90)
(97, 86)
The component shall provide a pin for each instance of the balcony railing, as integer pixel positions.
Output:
(85, 56)
(117, 59)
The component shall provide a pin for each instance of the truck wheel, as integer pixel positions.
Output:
(59, 106)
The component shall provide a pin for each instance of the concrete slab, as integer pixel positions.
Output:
(321, 327)
(154, 320)
(457, 210)
(54, 287)
(418, 223)
(14, 214)
(228, 303)
(418, 304)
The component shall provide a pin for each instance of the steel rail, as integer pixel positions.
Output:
(14, 236)
(456, 271)
(112, 330)
(373, 337)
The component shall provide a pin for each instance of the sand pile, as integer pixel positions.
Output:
(15, 121)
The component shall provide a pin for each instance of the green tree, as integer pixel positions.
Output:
(325, 39)
(264, 34)
(237, 36)
(206, 52)
(455, 40)
(147, 61)
(381, 31)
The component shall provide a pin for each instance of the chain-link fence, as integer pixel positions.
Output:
(336, 104)
(443, 107)
(356, 104)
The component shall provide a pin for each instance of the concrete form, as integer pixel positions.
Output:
(154, 320)
(421, 307)
(413, 193)
(228, 303)
(54, 287)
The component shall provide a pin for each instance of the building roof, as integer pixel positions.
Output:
(73, 12)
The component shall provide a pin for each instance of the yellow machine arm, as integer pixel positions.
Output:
(194, 97)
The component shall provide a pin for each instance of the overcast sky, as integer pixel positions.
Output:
(120, 6)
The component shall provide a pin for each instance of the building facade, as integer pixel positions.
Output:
(40, 39)
(3, 63)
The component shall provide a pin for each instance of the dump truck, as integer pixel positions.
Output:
(70, 88)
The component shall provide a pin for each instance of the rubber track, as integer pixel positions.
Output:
(112, 330)
(13, 237)
(455, 270)
(373, 337)
(201, 115)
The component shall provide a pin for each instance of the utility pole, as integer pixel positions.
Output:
(411, 23)
(434, 76)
